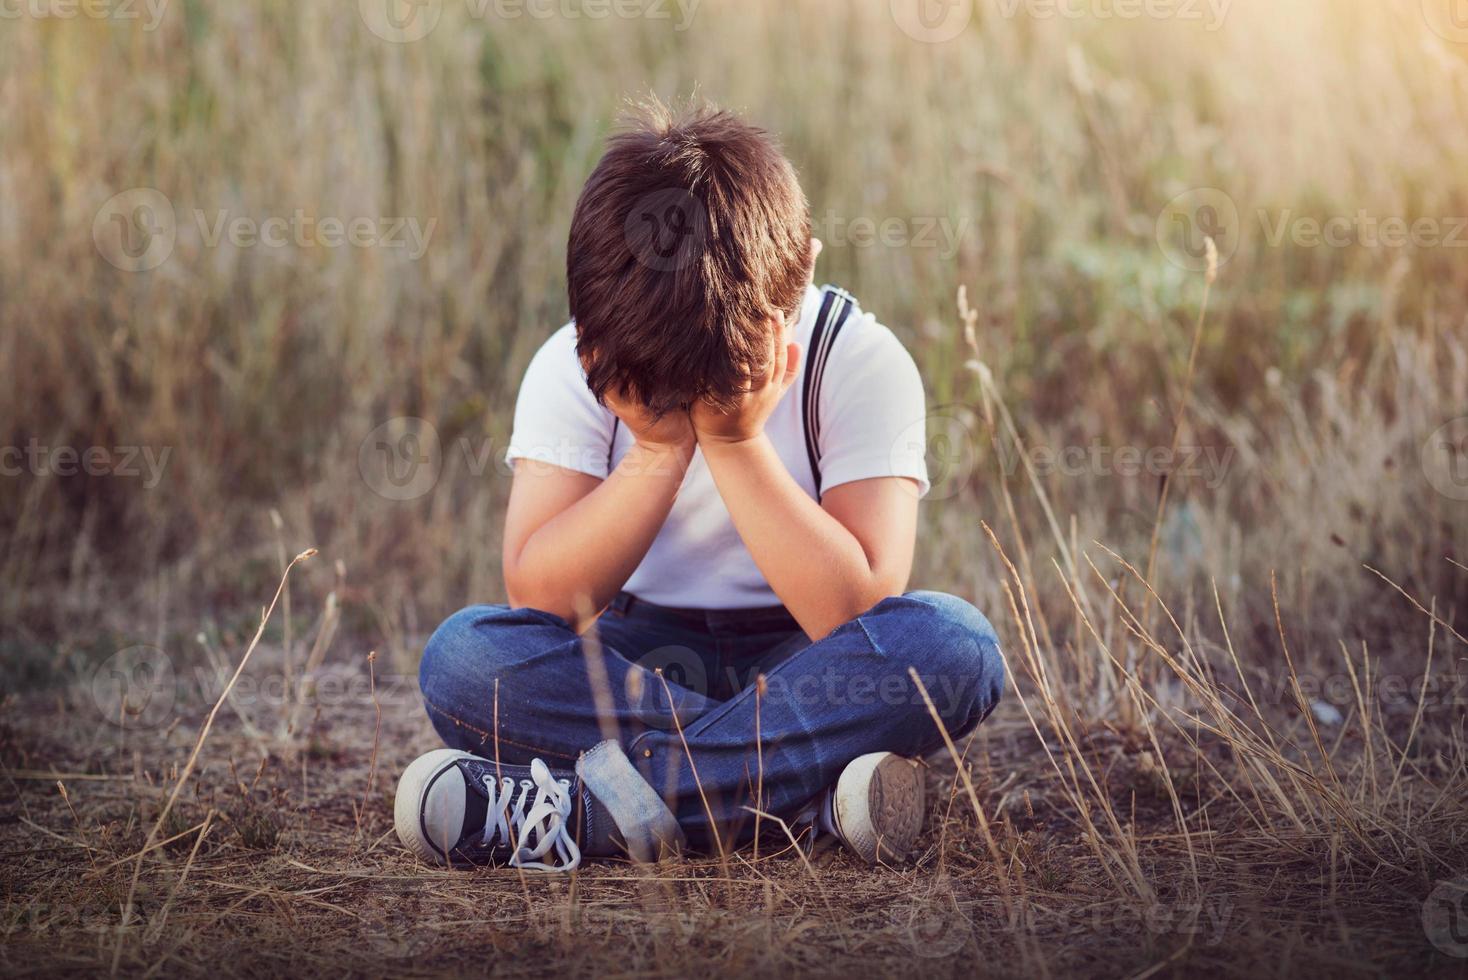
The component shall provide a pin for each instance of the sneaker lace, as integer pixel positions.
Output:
(533, 825)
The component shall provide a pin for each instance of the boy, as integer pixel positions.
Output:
(718, 467)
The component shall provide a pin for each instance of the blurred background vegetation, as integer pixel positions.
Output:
(1038, 152)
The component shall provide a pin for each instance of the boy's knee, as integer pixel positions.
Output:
(953, 648)
(479, 642)
(449, 648)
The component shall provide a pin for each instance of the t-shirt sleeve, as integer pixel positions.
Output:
(557, 419)
(873, 412)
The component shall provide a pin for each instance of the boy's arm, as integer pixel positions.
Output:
(572, 540)
(827, 562)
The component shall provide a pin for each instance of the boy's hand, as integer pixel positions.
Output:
(671, 432)
(747, 419)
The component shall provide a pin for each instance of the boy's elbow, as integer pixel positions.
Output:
(524, 593)
(542, 602)
(875, 589)
(886, 583)
(870, 599)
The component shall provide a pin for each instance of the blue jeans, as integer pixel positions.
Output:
(677, 689)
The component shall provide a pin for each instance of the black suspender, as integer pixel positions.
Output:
(836, 308)
(612, 446)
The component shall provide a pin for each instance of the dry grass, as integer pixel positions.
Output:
(1235, 739)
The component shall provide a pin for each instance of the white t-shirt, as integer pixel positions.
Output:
(871, 412)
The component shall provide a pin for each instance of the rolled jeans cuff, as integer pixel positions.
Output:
(648, 828)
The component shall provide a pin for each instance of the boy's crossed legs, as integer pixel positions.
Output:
(516, 685)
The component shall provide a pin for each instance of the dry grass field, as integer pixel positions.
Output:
(1217, 508)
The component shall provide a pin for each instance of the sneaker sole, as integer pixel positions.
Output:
(879, 806)
(410, 816)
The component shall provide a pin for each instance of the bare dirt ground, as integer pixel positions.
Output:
(279, 858)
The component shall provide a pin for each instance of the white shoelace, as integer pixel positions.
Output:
(532, 827)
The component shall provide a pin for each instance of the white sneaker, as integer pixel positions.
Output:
(456, 808)
(876, 807)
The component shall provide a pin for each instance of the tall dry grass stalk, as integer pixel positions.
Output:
(188, 768)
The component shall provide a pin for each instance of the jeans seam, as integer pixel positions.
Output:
(486, 737)
(876, 647)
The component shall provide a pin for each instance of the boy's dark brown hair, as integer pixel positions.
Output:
(690, 232)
